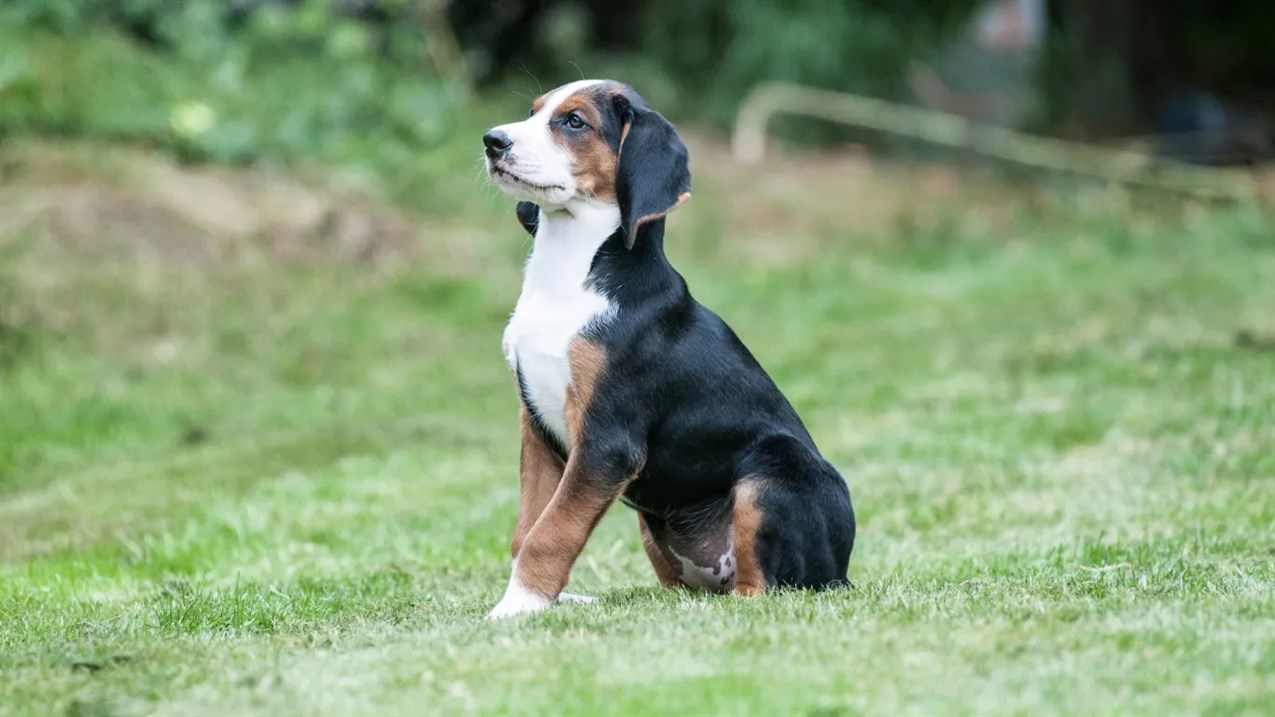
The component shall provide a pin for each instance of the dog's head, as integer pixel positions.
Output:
(591, 141)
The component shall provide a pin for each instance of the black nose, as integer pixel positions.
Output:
(497, 143)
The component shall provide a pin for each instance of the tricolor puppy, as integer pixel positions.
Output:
(632, 390)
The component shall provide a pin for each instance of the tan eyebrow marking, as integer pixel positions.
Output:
(583, 103)
(593, 161)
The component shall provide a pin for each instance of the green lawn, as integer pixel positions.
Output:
(246, 470)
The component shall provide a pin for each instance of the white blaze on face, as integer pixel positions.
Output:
(537, 168)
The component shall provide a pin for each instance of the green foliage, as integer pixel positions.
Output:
(723, 49)
(233, 81)
(194, 77)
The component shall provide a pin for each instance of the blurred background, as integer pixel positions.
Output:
(1013, 262)
(344, 80)
(256, 235)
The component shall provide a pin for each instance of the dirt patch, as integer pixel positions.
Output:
(107, 204)
(798, 202)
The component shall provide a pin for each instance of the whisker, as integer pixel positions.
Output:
(525, 71)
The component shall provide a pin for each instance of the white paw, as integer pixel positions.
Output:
(576, 599)
(518, 600)
(513, 608)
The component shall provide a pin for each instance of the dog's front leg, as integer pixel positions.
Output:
(539, 472)
(594, 477)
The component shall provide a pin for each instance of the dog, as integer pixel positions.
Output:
(630, 389)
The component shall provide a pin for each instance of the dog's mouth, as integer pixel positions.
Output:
(499, 172)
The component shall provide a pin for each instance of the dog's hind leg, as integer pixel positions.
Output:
(793, 522)
(663, 570)
(750, 575)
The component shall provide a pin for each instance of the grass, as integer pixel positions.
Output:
(240, 475)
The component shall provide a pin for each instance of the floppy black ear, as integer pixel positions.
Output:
(528, 216)
(652, 178)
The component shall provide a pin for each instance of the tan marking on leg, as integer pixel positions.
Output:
(582, 497)
(558, 537)
(587, 361)
(539, 471)
(665, 572)
(749, 578)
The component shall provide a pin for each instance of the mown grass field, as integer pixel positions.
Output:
(258, 449)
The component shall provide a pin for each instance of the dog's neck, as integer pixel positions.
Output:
(567, 239)
(581, 221)
(584, 237)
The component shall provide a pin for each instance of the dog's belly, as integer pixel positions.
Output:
(536, 343)
(701, 552)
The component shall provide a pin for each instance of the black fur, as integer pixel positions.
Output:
(682, 402)
(528, 216)
(683, 391)
(652, 174)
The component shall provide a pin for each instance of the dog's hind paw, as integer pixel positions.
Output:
(576, 599)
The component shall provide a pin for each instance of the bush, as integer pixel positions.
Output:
(723, 49)
(210, 80)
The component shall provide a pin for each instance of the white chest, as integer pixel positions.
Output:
(536, 343)
(556, 305)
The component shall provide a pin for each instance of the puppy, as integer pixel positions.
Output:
(633, 391)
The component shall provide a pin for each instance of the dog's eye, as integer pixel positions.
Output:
(575, 121)
(531, 113)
